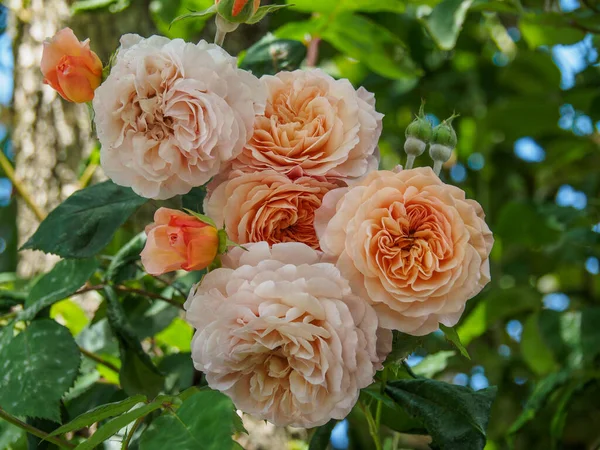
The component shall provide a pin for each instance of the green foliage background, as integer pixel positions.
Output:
(491, 61)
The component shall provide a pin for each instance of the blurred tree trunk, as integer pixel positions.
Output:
(52, 137)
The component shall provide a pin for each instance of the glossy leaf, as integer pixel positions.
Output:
(128, 254)
(84, 224)
(100, 413)
(452, 335)
(271, 55)
(456, 417)
(445, 22)
(65, 278)
(38, 366)
(206, 420)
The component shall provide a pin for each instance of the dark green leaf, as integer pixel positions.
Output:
(179, 371)
(535, 352)
(65, 278)
(128, 254)
(549, 29)
(445, 22)
(320, 439)
(456, 417)
(84, 224)
(138, 373)
(402, 346)
(194, 199)
(270, 55)
(100, 413)
(206, 420)
(452, 335)
(38, 366)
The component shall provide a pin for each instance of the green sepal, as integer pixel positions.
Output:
(204, 219)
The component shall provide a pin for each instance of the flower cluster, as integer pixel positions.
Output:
(336, 253)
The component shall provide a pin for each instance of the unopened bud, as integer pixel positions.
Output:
(443, 141)
(237, 11)
(418, 134)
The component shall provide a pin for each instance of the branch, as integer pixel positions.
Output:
(98, 359)
(99, 287)
(10, 173)
(33, 430)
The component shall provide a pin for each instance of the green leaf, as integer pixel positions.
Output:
(362, 39)
(535, 352)
(263, 11)
(521, 223)
(71, 315)
(271, 55)
(539, 397)
(138, 374)
(11, 435)
(84, 224)
(456, 417)
(452, 335)
(549, 29)
(330, 6)
(402, 346)
(322, 436)
(113, 426)
(206, 420)
(205, 219)
(128, 254)
(38, 366)
(431, 365)
(98, 414)
(498, 305)
(177, 335)
(65, 278)
(204, 14)
(445, 22)
(179, 371)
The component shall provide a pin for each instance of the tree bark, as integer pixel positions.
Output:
(50, 136)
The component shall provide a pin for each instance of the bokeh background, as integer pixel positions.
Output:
(525, 79)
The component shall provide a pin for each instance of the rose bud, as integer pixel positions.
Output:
(70, 67)
(237, 11)
(443, 141)
(418, 134)
(177, 240)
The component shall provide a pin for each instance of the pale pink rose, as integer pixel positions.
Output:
(282, 334)
(410, 244)
(70, 67)
(314, 125)
(267, 206)
(171, 114)
(177, 240)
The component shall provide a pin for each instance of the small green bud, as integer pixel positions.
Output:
(439, 152)
(414, 146)
(444, 134)
(420, 129)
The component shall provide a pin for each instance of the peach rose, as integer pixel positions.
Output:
(410, 244)
(70, 67)
(282, 334)
(267, 206)
(170, 114)
(178, 241)
(314, 125)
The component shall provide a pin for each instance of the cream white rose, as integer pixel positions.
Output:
(171, 113)
(282, 334)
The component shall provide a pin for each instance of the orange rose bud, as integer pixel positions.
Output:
(237, 11)
(177, 240)
(70, 67)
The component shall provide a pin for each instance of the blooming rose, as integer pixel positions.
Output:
(70, 67)
(267, 206)
(178, 241)
(314, 125)
(171, 113)
(410, 244)
(282, 334)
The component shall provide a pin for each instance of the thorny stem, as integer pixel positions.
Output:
(135, 426)
(373, 430)
(33, 430)
(99, 287)
(10, 173)
(98, 359)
